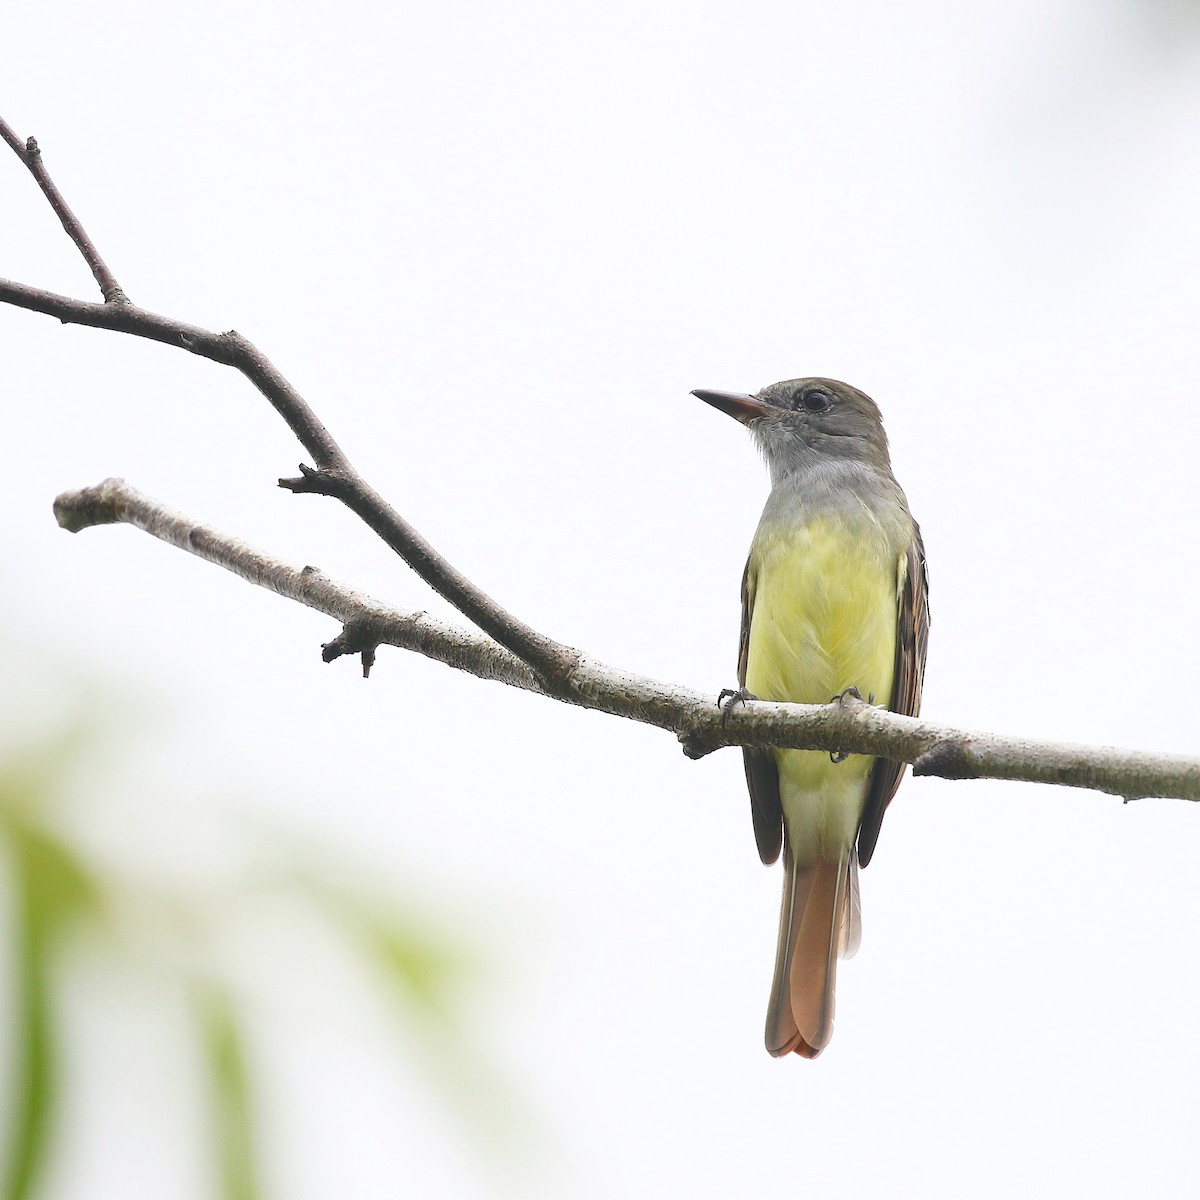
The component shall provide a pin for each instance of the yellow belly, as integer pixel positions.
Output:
(824, 619)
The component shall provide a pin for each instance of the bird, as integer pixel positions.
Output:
(835, 599)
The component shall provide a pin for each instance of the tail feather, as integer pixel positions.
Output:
(819, 922)
(850, 912)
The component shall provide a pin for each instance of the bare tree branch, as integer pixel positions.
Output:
(31, 156)
(334, 475)
(848, 725)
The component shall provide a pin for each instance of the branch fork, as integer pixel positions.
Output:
(319, 481)
(361, 636)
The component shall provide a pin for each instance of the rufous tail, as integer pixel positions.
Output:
(818, 924)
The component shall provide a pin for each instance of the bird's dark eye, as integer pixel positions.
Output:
(817, 401)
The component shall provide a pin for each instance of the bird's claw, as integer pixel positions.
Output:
(728, 697)
(840, 756)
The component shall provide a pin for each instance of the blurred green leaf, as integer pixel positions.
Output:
(428, 970)
(56, 894)
(52, 891)
(426, 965)
(224, 1048)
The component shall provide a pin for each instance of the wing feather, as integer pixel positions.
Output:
(912, 640)
(762, 774)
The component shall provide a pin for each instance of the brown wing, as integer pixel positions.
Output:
(912, 638)
(762, 775)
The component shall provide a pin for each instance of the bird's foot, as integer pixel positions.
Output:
(728, 698)
(840, 756)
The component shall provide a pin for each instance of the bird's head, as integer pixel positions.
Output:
(802, 421)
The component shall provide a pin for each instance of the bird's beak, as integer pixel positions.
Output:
(739, 405)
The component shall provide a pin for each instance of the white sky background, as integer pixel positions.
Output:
(496, 246)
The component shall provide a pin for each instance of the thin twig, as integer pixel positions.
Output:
(847, 726)
(29, 153)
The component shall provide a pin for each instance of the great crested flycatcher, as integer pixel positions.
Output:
(834, 597)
